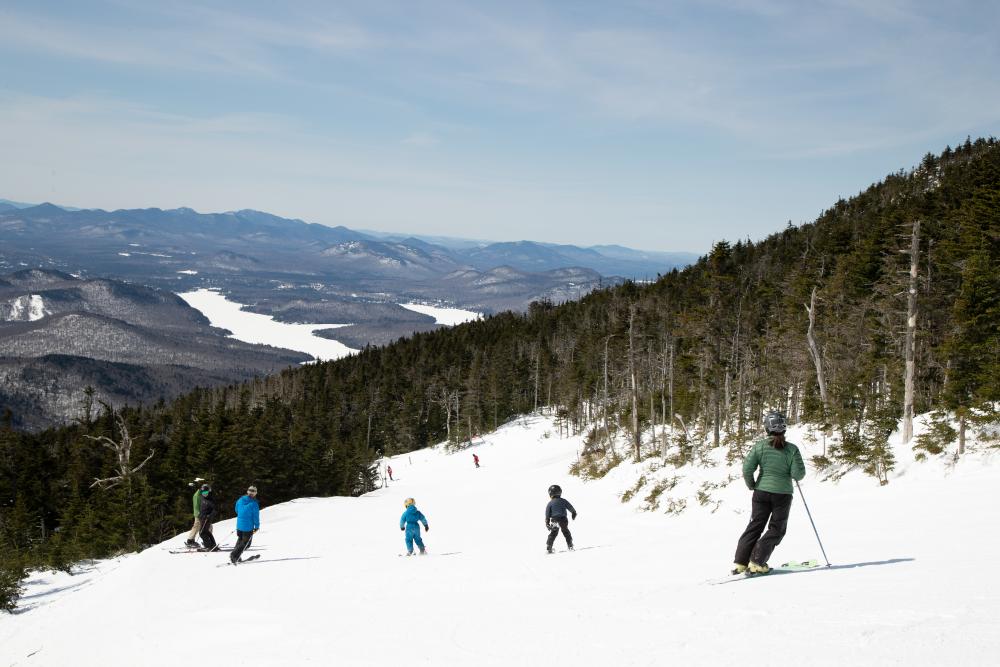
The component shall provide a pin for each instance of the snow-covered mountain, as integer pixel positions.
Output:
(908, 583)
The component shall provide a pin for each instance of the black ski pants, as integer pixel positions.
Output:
(207, 539)
(243, 540)
(556, 524)
(768, 509)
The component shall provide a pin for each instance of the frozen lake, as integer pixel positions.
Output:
(256, 328)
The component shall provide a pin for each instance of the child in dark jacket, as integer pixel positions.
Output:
(555, 517)
(410, 522)
(207, 515)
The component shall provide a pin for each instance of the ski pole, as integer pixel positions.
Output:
(806, 505)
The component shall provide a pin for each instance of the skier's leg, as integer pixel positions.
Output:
(564, 525)
(419, 540)
(207, 539)
(195, 529)
(759, 512)
(781, 505)
(242, 542)
(553, 531)
(409, 541)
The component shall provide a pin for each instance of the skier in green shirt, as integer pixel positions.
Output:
(779, 462)
(196, 505)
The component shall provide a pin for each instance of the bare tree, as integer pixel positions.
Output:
(637, 437)
(123, 450)
(911, 333)
(814, 352)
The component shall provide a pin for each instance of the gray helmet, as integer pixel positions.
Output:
(555, 491)
(774, 422)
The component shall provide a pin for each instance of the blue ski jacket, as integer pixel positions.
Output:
(412, 518)
(247, 514)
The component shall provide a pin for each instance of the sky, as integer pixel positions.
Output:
(655, 125)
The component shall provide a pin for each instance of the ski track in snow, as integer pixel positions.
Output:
(331, 589)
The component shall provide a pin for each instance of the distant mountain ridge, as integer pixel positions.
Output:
(59, 334)
(173, 228)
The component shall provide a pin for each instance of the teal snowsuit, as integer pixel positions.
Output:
(410, 522)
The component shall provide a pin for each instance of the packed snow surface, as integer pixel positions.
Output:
(910, 584)
(257, 328)
(446, 316)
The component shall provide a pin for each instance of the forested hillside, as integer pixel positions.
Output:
(812, 320)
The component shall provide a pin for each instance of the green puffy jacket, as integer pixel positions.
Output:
(196, 501)
(778, 467)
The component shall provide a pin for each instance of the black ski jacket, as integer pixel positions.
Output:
(557, 508)
(208, 508)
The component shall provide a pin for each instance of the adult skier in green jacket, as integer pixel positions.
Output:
(779, 462)
(196, 506)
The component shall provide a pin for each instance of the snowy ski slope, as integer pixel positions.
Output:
(911, 582)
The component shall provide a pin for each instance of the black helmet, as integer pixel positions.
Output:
(206, 487)
(774, 422)
(555, 491)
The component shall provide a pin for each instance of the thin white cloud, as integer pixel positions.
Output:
(421, 140)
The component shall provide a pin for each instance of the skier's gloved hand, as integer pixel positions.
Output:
(427, 528)
(401, 528)
(574, 517)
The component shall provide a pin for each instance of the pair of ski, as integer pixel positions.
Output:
(791, 566)
(245, 560)
(204, 551)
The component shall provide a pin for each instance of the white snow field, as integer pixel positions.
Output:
(257, 328)
(911, 582)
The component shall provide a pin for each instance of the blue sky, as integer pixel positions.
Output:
(656, 125)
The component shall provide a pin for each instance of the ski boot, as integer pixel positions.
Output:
(570, 547)
(191, 544)
(757, 568)
(738, 568)
(423, 551)
(549, 550)
(409, 553)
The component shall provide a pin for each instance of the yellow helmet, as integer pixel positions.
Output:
(408, 502)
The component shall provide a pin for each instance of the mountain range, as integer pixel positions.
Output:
(257, 253)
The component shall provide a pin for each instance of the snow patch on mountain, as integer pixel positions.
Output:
(28, 308)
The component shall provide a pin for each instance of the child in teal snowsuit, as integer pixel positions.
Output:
(410, 522)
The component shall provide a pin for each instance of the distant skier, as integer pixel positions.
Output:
(780, 462)
(207, 514)
(410, 522)
(556, 519)
(388, 469)
(475, 459)
(196, 506)
(247, 523)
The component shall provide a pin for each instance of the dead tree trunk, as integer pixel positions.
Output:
(635, 388)
(123, 451)
(814, 353)
(911, 334)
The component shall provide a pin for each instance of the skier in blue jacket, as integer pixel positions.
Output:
(410, 522)
(247, 523)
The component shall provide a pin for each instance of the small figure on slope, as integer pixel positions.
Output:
(207, 514)
(410, 522)
(780, 462)
(556, 519)
(388, 469)
(475, 459)
(247, 523)
(196, 506)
